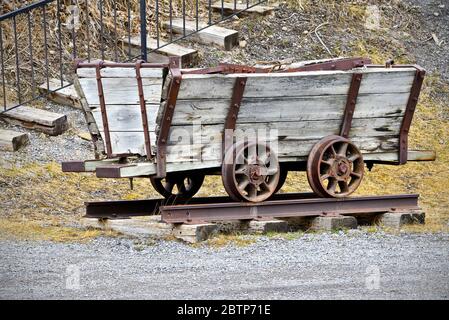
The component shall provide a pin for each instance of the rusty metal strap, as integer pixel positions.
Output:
(227, 68)
(166, 120)
(104, 116)
(409, 112)
(233, 112)
(350, 104)
(337, 65)
(143, 110)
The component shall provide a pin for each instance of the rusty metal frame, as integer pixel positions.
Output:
(233, 112)
(338, 65)
(169, 110)
(409, 112)
(199, 213)
(98, 66)
(227, 68)
(80, 64)
(214, 209)
(137, 66)
(143, 111)
(350, 104)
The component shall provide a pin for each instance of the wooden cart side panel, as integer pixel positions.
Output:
(302, 107)
(122, 105)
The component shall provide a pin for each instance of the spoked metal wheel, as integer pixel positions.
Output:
(335, 167)
(250, 172)
(180, 186)
(282, 178)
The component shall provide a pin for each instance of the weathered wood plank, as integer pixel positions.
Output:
(132, 142)
(120, 73)
(222, 37)
(188, 56)
(289, 109)
(121, 91)
(284, 149)
(99, 147)
(12, 140)
(125, 117)
(299, 84)
(42, 120)
(66, 96)
(303, 130)
(235, 7)
(146, 169)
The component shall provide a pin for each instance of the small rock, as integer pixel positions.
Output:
(85, 136)
(284, 28)
(305, 32)
(436, 14)
(442, 6)
(242, 44)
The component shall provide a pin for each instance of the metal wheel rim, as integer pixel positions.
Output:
(187, 185)
(250, 178)
(335, 167)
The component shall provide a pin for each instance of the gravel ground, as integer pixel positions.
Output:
(314, 266)
(44, 148)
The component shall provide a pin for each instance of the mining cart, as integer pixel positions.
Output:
(251, 125)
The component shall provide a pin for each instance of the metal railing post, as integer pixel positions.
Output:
(143, 30)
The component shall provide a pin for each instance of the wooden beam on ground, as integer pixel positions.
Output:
(37, 119)
(188, 55)
(231, 7)
(66, 96)
(220, 36)
(12, 140)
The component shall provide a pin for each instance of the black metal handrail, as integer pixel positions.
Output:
(24, 65)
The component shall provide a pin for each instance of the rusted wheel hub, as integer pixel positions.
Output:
(335, 167)
(178, 186)
(250, 172)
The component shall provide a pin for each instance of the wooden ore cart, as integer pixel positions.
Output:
(249, 125)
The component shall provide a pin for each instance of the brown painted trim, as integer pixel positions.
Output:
(233, 112)
(143, 111)
(409, 112)
(350, 104)
(166, 120)
(104, 115)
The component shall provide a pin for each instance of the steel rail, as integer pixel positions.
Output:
(213, 209)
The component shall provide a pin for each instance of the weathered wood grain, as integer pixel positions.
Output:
(12, 140)
(289, 109)
(42, 120)
(125, 117)
(298, 84)
(66, 96)
(235, 7)
(119, 73)
(99, 147)
(188, 56)
(222, 37)
(121, 91)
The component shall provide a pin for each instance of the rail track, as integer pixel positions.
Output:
(215, 209)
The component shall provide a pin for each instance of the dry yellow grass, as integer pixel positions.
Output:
(52, 231)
